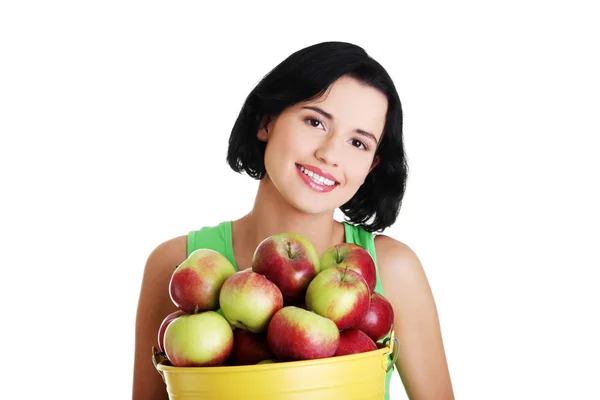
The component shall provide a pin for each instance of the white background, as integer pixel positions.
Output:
(114, 122)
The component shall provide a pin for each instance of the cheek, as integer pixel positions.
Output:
(357, 173)
(278, 153)
(291, 146)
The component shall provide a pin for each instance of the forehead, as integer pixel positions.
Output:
(353, 104)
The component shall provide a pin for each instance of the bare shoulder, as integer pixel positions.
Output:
(160, 265)
(386, 244)
(154, 304)
(402, 275)
(403, 279)
(172, 251)
(395, 255)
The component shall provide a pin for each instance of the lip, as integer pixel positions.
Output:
(319, 172)
(314, 185)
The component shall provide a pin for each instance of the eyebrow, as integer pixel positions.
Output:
(330, 117)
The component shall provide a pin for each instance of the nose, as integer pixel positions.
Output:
(327, 152)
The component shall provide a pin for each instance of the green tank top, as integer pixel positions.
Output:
(218, 238)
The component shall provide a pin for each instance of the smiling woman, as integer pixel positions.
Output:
(324, 139)
(322, 131)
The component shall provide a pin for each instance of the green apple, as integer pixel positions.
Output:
(248, 301)
(340, 294)
(197, 340)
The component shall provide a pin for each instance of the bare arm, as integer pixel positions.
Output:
(153, 306)
(422, 360)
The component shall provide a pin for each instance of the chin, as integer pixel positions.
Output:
(313, 210)
(313, 204)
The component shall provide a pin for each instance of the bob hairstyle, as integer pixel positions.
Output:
(306, 75)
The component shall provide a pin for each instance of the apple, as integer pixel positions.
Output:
(163, 328)
(379, 318)
(297, 334)
(248, 300)
(340, 294)
(198, 340)
(354, 341)
(249, 348)
(288, 260)
(196, 282)
(353, 256)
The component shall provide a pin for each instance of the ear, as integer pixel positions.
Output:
(374, 164)
(263, 129)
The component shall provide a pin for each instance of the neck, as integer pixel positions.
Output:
(272, 214)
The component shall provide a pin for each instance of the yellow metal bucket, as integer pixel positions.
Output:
(352, 377)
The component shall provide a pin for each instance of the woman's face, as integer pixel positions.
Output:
(319, 153)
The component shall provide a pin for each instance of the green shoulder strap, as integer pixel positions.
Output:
(358, 235)
(217, 238)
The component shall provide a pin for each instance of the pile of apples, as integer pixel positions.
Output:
(290, 305)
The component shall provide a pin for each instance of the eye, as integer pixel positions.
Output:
(358, 143)
(314, 122)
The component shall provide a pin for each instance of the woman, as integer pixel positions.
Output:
(322, 131)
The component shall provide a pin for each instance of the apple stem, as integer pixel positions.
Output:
(196, 309)
(345, 272)
(338, 257)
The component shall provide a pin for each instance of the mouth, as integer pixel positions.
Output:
(316, 181)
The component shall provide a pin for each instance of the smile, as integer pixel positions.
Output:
(315, 181)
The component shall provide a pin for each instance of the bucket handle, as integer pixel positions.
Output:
(394, 346)
(157, 358)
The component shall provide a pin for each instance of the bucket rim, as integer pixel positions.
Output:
(161, 366)
(388, 351)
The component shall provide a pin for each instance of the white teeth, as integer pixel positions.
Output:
(319, 179)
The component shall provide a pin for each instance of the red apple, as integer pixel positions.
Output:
(297, 334)
(379, 318)
(340, 294)
(290, 261)
(248, 301)
(163, 328)
(249, 348)
(353, 341)
(196, 282)
(197, 340)
(353, 256)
